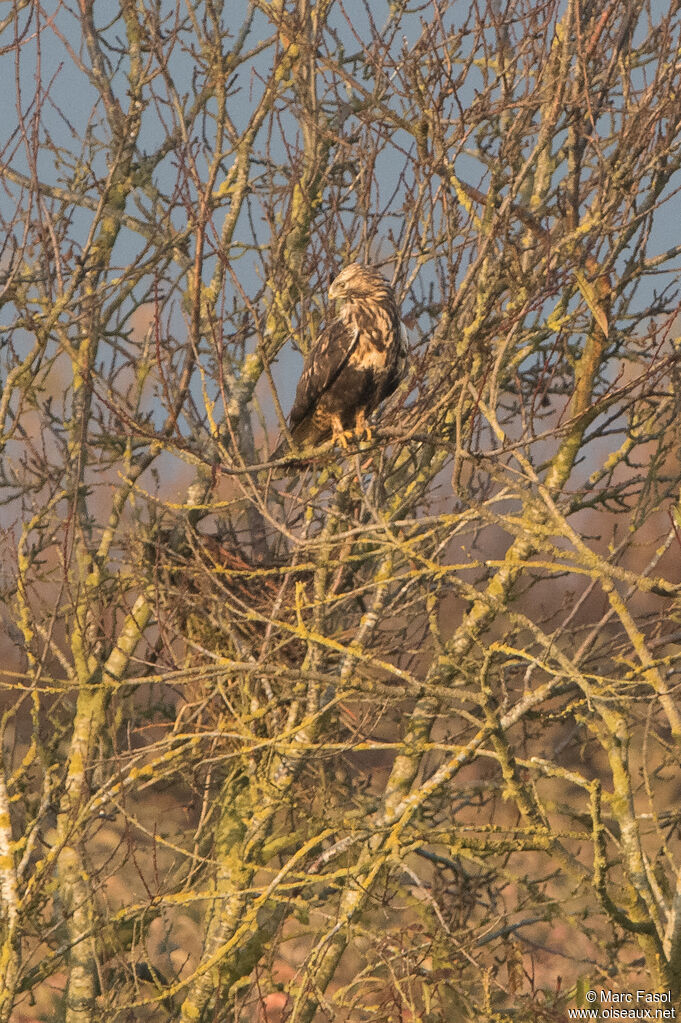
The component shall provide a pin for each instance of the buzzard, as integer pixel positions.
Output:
(357, 361)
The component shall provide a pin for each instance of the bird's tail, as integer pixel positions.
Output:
(301, 437)
(282, 449)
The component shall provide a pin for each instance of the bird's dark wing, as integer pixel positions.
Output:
(325, 360)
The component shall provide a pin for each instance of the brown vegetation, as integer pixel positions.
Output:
(396, 736)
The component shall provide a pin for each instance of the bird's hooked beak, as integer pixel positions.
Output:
(335, 289)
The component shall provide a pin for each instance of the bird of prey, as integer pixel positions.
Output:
(357, 361)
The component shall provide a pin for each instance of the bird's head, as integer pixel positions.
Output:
(355, 281)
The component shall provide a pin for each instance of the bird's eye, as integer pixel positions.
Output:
(332, 278)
